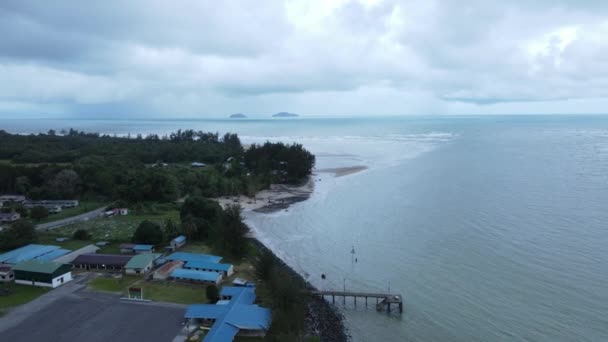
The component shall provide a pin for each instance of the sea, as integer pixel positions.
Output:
(492, 228)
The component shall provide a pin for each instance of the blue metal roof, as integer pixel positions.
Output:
(184, 256)
(238, 313)
(179, 239)
(24, 253)
(143, 247)
(195, 275)
(208, 265)
(53, 255)
(205, 311)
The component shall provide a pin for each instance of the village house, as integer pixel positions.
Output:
(42, 273)
(6, 273)
(9, 217)
(141, 263)
(178, 242)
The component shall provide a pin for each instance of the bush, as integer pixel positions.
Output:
(148, 233)
(38, 213)
(213, 294)
(82, 234)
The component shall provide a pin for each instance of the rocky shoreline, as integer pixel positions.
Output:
(323, 319)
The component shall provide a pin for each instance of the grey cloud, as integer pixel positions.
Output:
(140, 57)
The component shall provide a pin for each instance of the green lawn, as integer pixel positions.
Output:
(20, 294)
(174, 293)
(115, 228)
(111, 284)
(85, 206)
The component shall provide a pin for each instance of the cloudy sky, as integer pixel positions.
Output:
(168, 59)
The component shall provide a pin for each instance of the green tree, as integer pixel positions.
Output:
(82, 234)
(148, 233)
(38, 213)
(213, 294)
(231, 233)
(171, 229)
(18, 234)
(264, 264)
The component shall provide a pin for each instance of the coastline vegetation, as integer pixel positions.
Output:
(168, 184)
(152, 168)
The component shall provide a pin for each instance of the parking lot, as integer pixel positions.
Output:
(98, 317)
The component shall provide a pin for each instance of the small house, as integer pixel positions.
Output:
(193, 276)
(165, 270)
(126, 248)
(139, 249)
(9, 217)
(225, 269)
(6, 273)
(101, 262)
(178, 242)
(198, 164)
(12, 199)
(141, 263)
(42, 273)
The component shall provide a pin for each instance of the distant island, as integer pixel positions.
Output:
(238, 116)
(285, 115)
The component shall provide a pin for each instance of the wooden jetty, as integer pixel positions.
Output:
(382, 299)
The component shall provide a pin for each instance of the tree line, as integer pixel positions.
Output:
(76, 164)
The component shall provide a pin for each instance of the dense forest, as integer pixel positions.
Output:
(74, 164)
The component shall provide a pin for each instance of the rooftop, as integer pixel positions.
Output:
(106, 259)
(195, 275)
(168, 267)
(207, 265)
(179, 239)
(238, 313)
(53, 255)
(38, 266)
(184, 256)
(143, 247)
(26, 253)
(142, 260)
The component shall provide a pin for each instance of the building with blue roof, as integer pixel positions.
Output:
(225, 269)
(178, 242)
(186, 257)
(196, 276)
(143, 249)
(29, 252)
(53, 255)
(234, 315)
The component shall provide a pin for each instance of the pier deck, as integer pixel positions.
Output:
(382, 299)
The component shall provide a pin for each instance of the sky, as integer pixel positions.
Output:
(199, 58)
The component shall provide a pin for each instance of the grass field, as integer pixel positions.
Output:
(115, 228)
(20, 294)
(112, 284)
(174, 293)
(85, 206)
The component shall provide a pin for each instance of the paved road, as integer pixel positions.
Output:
(17, 315)
(70, 220)
(74, 314)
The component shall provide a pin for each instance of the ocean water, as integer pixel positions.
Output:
(492, 228)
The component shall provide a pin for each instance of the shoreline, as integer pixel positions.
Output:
(344, 171)
(322, 319)
(281, 196)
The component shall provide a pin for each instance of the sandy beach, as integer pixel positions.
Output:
(281, 196)
(344, 171)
